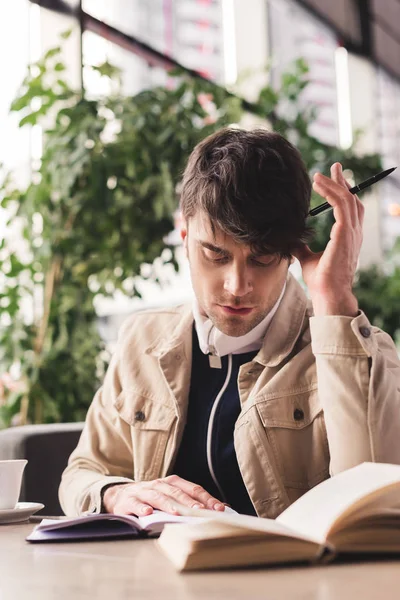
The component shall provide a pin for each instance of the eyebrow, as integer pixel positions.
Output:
(219, 250)
(212, 247)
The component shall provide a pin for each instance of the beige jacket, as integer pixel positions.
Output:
(322, 395)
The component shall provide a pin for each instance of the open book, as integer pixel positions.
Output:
(354, 512)
(103, 525)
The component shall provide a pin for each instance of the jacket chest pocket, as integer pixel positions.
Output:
(151, 425)
(296, 432)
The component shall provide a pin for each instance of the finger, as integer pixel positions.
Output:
(336, 168)
(360, 211)
(353, 201)
(337, 174)
(349, 186)
(334, 188)
(131, 506)
(178, 494)
(341, 207)
(327, 184)
(196, 491)
(156, 499)
(335, 185)
(360, 206)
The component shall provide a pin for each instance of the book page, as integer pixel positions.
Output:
(216, 544)
(247, 522)
(155, 522)
(316, 512)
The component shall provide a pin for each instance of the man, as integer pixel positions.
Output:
(254, 394)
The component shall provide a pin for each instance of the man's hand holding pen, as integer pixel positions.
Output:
(329, 274)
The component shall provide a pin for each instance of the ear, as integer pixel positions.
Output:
(292, 259)
(184, 234)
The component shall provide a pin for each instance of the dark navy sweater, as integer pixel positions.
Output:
(191, 462)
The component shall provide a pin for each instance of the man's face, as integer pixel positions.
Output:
(234, 288)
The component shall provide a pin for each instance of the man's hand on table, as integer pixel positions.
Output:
(140, 498)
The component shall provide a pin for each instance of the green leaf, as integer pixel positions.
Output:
(268, 99)
(59, 67)
(30, 119)
(106, 69)
(66, 34)
(52, 52)
(301, 66)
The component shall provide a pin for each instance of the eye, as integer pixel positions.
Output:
(214, 256)
(263, 261)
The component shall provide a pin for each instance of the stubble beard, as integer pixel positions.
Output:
(236, 326)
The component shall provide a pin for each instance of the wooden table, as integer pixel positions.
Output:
(135, 569)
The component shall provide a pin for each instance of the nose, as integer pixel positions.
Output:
(237, 281)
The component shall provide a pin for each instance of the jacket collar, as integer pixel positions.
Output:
(286, 325)
(173, 350)
(180, 337)
(281, 337)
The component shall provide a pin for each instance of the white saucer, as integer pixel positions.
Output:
(21, 512)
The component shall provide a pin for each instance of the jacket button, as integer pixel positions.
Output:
(140, 416)
(298, 414)
(365, 331)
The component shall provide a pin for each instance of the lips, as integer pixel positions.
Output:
(237, 307)
(244, 310)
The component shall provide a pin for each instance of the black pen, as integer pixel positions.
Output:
(354, 190)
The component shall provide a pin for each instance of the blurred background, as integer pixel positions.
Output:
(101, 103)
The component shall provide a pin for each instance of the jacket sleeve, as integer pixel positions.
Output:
(358, 371)
(104, 453)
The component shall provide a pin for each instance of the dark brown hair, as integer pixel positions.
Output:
(253, 185)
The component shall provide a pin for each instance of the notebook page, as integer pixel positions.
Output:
(53, 524)
(91, 530)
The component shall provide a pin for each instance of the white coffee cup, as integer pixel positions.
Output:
(11, 472)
